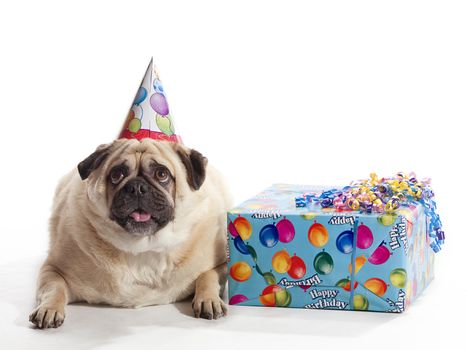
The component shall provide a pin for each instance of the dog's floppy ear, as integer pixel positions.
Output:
(91, 163)
(195, 164)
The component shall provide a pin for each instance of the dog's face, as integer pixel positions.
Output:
(136, 184)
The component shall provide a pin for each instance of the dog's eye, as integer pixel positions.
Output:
(116, 176)
(162, 175)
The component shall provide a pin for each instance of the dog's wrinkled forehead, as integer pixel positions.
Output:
(140, 155)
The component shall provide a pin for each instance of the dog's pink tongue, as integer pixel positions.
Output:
(140, 217)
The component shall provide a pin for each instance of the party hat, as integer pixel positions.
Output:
(149, 115)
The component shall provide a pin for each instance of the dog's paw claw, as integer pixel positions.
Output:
(209, 307)
(45, 317)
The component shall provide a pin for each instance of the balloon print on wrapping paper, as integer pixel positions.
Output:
(323, 263)
(269, 278)
(297, 268)
(275, 295)
(269, 236)
(345, 284)
(318, 235)
(380, 255)
(252, 253)
(376, 286)
(238, 298)
(243, 227)
(360, 302)
(241, 246)
(294, 266)
(286, 230)
(387, 219)
(309, 216)
(281, 261)
(232, 229)
(364, 237)
(359, 262)
(344, 242)
(398, 277)
(240, 271)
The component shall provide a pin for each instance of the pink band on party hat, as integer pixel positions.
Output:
(149, 115)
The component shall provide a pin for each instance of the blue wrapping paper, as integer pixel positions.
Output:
(281, 255)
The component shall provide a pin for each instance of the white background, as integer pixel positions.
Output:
(270, 91)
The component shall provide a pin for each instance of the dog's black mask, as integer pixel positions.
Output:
(144, 204)
(141, 208)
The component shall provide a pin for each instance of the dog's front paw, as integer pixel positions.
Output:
(47, 317)
(209, 307)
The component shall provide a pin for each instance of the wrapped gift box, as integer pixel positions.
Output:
(324, 258)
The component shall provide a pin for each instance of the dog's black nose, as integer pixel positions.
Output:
(137, 187)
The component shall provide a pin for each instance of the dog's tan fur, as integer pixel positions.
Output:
(92, 259)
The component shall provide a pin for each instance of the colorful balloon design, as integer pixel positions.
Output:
(309, 216)
(238, 298)
(286, 230)
(281, 261)
(267, 297)
(134, 125)
(232, 229)
(241, 246)
(298, 268)
(283, 298)
(323, 263)
(136, 111)
(140, 95)
(275, 295)
(344, 242)
(376, 286)
(318, 235)
(398, 277)
(158, 86)
(387, 219)
(269, 236)
(164, 123)
(345, 284)
(252, 252)
(269, 278)
(159, 103)
(240, 271)
(360, 302)
(364, 237)
(380, 255)
(243, 227)
(359, 262)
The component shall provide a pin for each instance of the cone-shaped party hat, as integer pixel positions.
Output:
(149, 115)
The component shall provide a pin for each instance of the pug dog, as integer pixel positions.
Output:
(137, 223)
